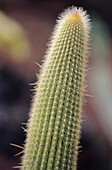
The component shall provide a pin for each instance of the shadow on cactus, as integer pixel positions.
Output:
(53, 129)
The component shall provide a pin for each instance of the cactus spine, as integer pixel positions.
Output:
(53, 129)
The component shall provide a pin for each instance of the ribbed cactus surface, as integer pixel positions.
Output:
(54, 125)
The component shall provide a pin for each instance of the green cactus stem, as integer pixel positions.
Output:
(53, 129)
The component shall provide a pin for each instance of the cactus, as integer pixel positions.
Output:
(53, 129)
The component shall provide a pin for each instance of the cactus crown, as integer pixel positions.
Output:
(53, 129)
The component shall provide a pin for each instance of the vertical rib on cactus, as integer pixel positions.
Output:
(54, 124)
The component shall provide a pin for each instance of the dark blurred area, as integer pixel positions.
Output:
(25, 28)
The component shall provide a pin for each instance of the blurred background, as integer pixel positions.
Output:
(25, 28)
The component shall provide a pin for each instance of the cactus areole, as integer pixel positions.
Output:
(53, 129)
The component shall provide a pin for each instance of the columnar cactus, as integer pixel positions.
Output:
(53, 129)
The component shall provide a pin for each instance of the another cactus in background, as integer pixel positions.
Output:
(13, 39)
(54, 126)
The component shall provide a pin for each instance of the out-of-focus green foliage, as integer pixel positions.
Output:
(101, 84)
(13, 40)
(100, 38)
